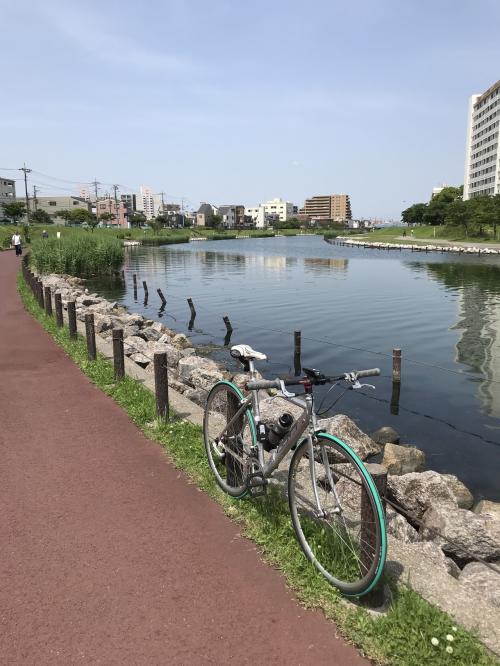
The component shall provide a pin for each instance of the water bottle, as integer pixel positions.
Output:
(279, 430)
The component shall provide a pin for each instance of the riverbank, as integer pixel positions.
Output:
(457, 248)
(417, 553)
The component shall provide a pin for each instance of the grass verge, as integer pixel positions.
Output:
(401, 638)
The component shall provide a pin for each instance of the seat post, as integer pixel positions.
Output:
(251, 368)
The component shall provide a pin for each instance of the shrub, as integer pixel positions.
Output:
(81, 255)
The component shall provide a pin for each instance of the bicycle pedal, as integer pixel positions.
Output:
(257, 484)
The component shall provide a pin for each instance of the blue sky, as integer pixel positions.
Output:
(238, 102)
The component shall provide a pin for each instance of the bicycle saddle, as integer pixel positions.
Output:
(247, 353)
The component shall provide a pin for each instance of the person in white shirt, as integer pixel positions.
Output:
(16, 242)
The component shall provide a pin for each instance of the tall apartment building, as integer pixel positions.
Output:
(482, 166)
(336, 207)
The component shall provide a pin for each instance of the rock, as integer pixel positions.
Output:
(462, 534)
(385, 435)
(173, 354)
(190, 363)
(399, 527)
(403, 459)
(102, 322)
(165, 338)
(134, 344)
(272, 408)
(131, 330)
(424, 551)
(201, 378)
(482, 579)
(490, 508)
(140, 359)
(131, 319)
(151, 334)
(240, 380)
(181, 341)
(104, 307)
(88, 300)
(197, 395)
(189, 351)
(416, 491)
(462, 494)
(344, 428)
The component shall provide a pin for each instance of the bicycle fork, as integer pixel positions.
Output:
(329, 479)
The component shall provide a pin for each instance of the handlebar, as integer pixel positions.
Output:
(258, 384)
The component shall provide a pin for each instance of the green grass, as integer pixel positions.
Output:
(423, 234)
(401, 638)
(82, 255)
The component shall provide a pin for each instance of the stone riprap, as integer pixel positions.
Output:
(430, 502)
(418, 248)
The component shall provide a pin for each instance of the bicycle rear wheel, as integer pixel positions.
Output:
(231, 445)
(345, 536)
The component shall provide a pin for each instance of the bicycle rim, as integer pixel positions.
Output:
(230, 447)
(346, 539)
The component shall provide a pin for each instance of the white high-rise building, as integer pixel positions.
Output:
(146, 202)
(482, 167)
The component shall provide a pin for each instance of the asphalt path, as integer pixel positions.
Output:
(109, 555)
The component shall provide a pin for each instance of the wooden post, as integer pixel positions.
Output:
(297, 343)
(59, 310)
(72, 319)
(161, 385)
(234, 468)
(396, 391)
(123, 275)
(145, 286)
(162, 297)
(191, 307)
(368, 534)
(118, 356)
(396, 365)
(48, 301)
(39, 288)
(134, 278)
(229, 330)
(90, 334)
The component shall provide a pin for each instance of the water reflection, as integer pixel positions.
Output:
(478, 301)
(322, 265)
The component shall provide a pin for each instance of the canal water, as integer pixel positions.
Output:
(353, 306)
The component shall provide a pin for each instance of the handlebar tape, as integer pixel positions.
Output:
(374, 372)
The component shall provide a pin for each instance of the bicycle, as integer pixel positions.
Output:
(336, 511)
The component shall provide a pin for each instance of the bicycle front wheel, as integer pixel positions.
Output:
(230, 443)
(337, 514)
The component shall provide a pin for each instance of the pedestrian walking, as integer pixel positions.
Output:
(16, 242)
(45, 234)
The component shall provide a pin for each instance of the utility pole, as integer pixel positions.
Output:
(115, 188)
(26, 172)
(34, 197)
(96, 183)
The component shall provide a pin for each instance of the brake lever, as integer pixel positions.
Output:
(357, 385)
(352, 379)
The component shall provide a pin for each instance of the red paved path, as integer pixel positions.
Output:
(109, 555)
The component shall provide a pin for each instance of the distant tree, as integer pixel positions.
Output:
(414, 214)
(107, 217)
(448, 194)
(435, 211)
(80, 215)
(41, 217)
(14, 210)
(216, 221)
(156, 225)
(137, 219)
(92, 221)
(65, 214)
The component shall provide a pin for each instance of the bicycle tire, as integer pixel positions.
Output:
(230, 457)
(348, 545)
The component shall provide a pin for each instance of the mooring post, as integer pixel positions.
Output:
(123, 275)
(162, 297)
(59, 309)
(72, 319)
(297, 350)
(145, 286)
(396, 365)
(90, 334)
(118, 356)
(134, 278)
(191, 307)
(396, 392)
(229, 328)
(161, 385)
(48, 301)
(368, 534)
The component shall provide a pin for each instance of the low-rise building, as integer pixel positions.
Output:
(278, 209)
(232, 216)
(7, 192)
(258, 216)
(205, 214)
(117, 208)
(53, 205)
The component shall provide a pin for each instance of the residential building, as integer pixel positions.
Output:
(482, 166)
(278, 209)
(232, 216)
(116, 208)
(53, 205)
(147, 202)
(205, 214)
(85, 193)
(130, 201)
(258, 216)
(436, 190)
(7, 191)
(336, 207)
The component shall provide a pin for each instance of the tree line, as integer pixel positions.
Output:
(478, 216)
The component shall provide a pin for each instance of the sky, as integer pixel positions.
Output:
(237, 102)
